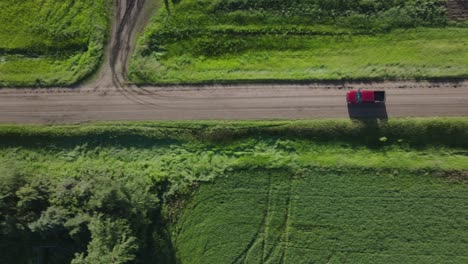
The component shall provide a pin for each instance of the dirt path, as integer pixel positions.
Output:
(111, 98)
(224, 102)
(130, 18)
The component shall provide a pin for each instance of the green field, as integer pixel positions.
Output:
(49, 42)
(325, 216)
(303, 40)
(60, 43)
(202, 192)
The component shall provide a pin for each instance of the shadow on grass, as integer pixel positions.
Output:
(454, 81)
(92, 141)
(368, 112)
(371, 116)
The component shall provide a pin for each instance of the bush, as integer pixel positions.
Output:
(112, 242)
(395, 17)
(111, 215)
(427, 12)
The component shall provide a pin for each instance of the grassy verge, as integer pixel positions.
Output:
(450, 132)
(52, 42)
(123, 191)
(410, 54)
(216, 42)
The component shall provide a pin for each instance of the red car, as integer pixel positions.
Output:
(365, 96)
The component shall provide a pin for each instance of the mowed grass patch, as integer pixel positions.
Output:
(45, 43)
(403, 54)
(322, 216)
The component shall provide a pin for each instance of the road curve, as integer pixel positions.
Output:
(64, 105)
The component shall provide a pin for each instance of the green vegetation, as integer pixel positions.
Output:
(123, 191)
(44, 43)
(325, 216)
(304, 40)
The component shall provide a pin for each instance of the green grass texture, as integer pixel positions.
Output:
(184, 152)
(237, 191)
(238, 41)
(325, 216)
(45, 43)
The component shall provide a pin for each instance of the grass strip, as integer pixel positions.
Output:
(451, 132)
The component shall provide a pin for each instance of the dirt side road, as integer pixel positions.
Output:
(222, 102)
(130, 17)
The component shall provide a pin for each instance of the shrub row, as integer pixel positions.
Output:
(451, 132)
(331, 8)
(222, 40)
(217, 24)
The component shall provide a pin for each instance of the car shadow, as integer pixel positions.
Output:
(370, 116)
(368, 111)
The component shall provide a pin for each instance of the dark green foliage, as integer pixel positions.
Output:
(112, 242)
(96, 214)
(451, 132)
(220, 45)
(420, 12)
(11, 181)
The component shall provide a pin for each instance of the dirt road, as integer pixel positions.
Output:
(130, 17)
(108, 97)
(222, 102)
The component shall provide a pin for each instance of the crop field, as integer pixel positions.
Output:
(202, 192)
(305, 40)
(325, 216)
(49, 42)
